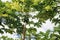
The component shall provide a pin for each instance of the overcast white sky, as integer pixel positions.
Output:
(46, 26)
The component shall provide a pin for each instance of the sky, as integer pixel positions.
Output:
(6, 0)
(46, 26)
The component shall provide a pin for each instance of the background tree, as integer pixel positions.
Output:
(16, 15)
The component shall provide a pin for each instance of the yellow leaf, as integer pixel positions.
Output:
(4, 15)
(37, 1)
(15, 5)
(22, 0)
(48, 7)
(7, 4)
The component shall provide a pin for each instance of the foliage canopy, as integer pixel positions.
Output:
(15, 13)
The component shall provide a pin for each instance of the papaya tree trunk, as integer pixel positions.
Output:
(29, 37)
(26, 20)
(24, 32)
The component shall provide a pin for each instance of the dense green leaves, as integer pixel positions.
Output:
(16, 13)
